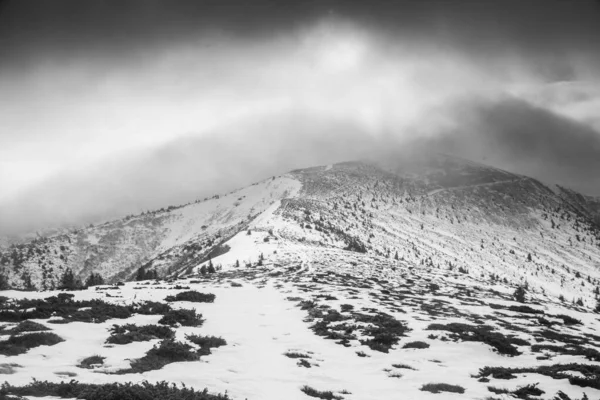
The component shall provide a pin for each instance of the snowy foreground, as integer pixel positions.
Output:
(264, 313)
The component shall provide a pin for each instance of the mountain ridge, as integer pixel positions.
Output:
(435, 212)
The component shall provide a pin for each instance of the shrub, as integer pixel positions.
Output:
(128, 333)
(8, 368)
(89, 362)
(496, 390)
(346, 307)
(293, 354)
(568, 320)
(206, 342)
(319, 394)
(183, 317)
(480, 333)
(29, 326)
(110, 391)
(557, 371)
(63, 306)
(519, 294)
(403, 366)
(303, 363)
(15, 345)
(193, 296)
(166, 352)
(442, 387)
(524, 392)
(152, 308)
(416, 345)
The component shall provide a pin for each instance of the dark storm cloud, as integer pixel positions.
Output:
(118, 106)
(69, 28)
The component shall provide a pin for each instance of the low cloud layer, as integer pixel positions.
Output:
(134, 111)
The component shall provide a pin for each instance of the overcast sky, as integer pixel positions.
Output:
(113, 107)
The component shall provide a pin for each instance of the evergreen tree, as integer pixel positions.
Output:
(519, 294)
(4, 282)
(211, 268)
(203, 270)
(94, 279)
(68, 281)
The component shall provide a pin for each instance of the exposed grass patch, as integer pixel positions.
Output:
(182, 317)
(16, 345)
(110, 391)
(89, 362)
(326, 395)
(124, 334)
(192, 296)
(442, 387)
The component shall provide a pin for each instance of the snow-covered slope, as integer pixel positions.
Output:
(348, 281)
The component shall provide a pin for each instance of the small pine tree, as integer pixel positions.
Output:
(4, 282)
(528, 257)
(237, 264)
(203, 270)
(519, 294)
(68, 281)
(94, 279)
(211, 268)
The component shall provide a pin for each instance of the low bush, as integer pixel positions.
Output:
(524, 392)
(416, 345)
(192, 296)
(206, 342)
(480, 333)
(568, 320)
(16, 345)
(166, 352)
(28, 326)
(403, 366)
(182, 317)
(326, 395)
(152, 308)
(8, 368)
(442, 387)
(89, 362)
(557, 371)
(124, 334)
(109, 391)
(293, 354)
(303, 363)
